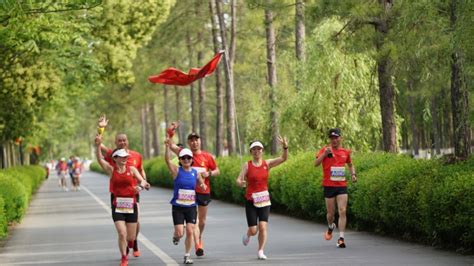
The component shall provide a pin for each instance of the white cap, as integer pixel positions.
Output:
(120, 153)
(256, 144)
(184, 152)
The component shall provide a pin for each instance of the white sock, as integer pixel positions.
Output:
(187, 254)
(341, 234)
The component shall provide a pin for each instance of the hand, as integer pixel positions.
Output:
(145, 184)
(327, 151)
(283, 141)
(203, 186)
(98, 140)
(241, 182)
(354, 178)
(103, 121)
(172, 129)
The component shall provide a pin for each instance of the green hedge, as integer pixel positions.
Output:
(421, 200)
(3, 219)
(16, 188)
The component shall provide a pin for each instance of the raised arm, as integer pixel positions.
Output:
(321, 157)
(140, 178)
(241, 180)
(100, 159)
(171, 166)
(284, 156)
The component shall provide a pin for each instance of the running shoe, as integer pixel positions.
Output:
(340, 242)
(188, 260)
(136, 252)
(124, 261)
(261, 256)
(175, 240)
(245, 239)
(199, 249)
(328, 234)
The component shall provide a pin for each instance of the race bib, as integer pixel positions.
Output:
(338, 173)
(186, 197)
(124, 205)
(261, 199)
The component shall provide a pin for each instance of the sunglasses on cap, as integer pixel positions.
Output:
(186, 158)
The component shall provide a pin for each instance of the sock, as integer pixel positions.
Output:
(130, 244)
(124, 257)
(187, 254)
(135, 245)
(341, 234)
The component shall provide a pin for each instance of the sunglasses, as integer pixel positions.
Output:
(186, 158)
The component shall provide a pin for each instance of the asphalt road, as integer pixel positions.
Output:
(75, 228)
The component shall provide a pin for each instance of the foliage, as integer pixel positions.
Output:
(420, 200)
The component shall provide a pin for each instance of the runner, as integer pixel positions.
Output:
(334, 158)
(205, 164)
(62, 169)
(76, 174)
(183, 201)
(135, 160)
(254, 175)
(123, 197)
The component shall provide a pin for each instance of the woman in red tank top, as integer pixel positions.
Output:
(254, 176)
(123, 180)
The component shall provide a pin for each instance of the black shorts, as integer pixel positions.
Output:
(255, 215)
(127, 217)
(181, 214)
(203, 199)
(331, 192)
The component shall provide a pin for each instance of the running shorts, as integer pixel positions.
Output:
(331, 192)
(182, 214)
(255, 215)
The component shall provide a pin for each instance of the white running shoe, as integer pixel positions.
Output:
(261, 256)
(188, 260)
(245, 239)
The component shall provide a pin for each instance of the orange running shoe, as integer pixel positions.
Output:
(328, 234)
(199, 249)
(136, 253)
(340, 243)
(124, 261)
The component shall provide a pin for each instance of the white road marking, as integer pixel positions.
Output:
(152, 247)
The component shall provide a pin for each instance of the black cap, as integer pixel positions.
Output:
(193, 135)
(334, 132)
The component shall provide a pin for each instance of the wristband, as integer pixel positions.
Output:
(100, 130)
(285, 148)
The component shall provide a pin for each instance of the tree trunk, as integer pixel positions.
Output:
(386, 92)
(272, 74)
(154, 130)
(143, 131)
(180, 129)
(219, 89)
(166, 105)
(299, 38)
(147, 132)
(436, 148)
(194, 112)
(228, 69)
(202, 108)
(414, 129)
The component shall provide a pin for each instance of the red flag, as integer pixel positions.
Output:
(173, 76)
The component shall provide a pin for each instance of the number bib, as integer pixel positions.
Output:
(338, 173)
(261, 199)
(124, 205)
(186, 197)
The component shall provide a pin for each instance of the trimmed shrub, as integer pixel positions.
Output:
(15, 197)
(94, 166)
(3, 219)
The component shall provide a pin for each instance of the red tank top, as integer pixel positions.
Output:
(123, 184)
(257, 179)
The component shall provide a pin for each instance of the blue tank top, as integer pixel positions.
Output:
(184, 188)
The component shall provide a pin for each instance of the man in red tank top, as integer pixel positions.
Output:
(334, 159)
(254, 176)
